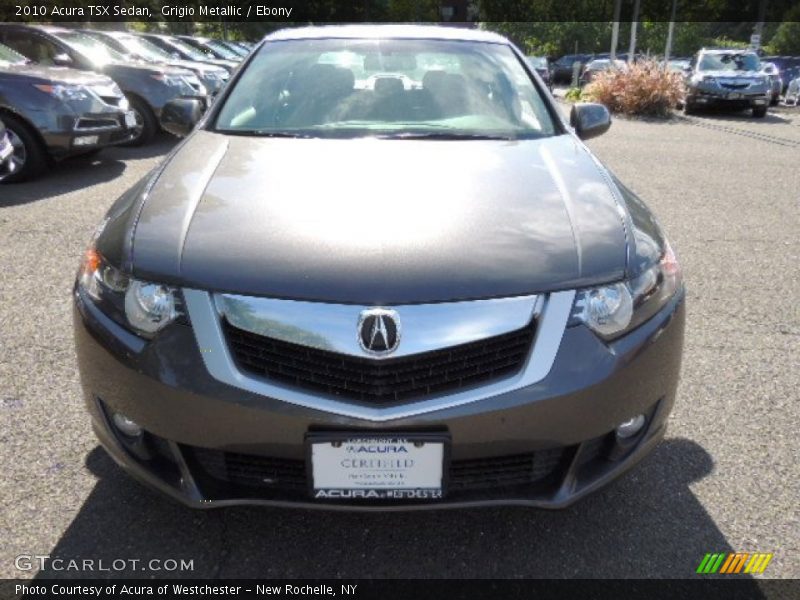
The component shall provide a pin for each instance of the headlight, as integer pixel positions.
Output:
(612, 310)
(708, 79)
(65, 92)
(143, 307)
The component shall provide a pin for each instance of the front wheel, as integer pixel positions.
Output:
(29, 158)
(146, 123)
(759, 112)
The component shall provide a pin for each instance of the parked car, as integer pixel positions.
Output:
(53, 113)
(563, 67)
(775, 83)
(599, 65)
(788, 67)
(7, 165)
(214, 48)
(542, 67)
(148, 87)
(180, 49)
(727, 77)
(136, 47)
(679, 65)
(279, 337)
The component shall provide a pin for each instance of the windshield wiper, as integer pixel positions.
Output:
(266, 133)
(443, 135)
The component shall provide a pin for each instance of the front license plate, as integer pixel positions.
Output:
(734, 96)
(391, 467)
(130, 120)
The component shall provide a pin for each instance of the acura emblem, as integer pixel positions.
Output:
(379, 330)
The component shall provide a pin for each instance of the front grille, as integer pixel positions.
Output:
(289, 475)
(735, 86)
(381, 381)
(89, 123)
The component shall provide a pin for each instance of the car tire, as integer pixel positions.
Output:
(688, 108)
(759, 112)
(30, 156)
(146, 123)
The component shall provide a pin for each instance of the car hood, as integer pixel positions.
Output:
(62, 75)
(380, 221)
(141, 68)
(733, 74)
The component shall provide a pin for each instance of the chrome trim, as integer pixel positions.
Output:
(335, 327)
(553, 310)
(112, 124)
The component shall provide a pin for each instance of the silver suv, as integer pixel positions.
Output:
(725, 77)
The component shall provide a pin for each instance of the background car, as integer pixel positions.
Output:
(775, 83)
(788, 67)
(563, 68)
(138, 48)
(729, 78)
(542, 67)
(148, 87)
(53, 113)
(678, 65)
(180, 49)
(215, 48)
(599, 65)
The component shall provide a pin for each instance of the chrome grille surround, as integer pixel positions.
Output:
(551, 312)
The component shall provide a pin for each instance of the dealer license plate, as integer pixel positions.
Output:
(130, 120)
(377, 467)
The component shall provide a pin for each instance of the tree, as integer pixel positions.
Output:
(787, 37)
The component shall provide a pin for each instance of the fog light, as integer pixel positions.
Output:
(86, 140)
(126, 425)
(631, 427)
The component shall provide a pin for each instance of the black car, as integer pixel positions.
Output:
(148, 87)
(306, 305)
(562, 69)
(53, 113)
(541, 65)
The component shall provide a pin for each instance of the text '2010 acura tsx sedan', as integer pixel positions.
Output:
(381, 272)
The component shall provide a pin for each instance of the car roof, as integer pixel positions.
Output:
(387, 31)
(727, 51)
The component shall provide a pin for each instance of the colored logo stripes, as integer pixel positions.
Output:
(734, 562)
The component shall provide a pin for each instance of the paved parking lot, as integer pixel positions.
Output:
(726, 478)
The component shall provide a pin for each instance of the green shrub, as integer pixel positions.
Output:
(643, 88)
(573, 95)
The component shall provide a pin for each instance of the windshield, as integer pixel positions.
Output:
(538, 62)
(188, 50)
(396, 88)
(7, 55)
(143, 48)
(93, 49)
(729, 62)
(223, 51)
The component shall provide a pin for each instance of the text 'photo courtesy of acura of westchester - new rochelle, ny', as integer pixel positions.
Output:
(381, 272)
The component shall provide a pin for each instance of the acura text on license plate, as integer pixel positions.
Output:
(390, 467)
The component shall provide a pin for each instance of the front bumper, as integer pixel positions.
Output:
(563, 424)
(716, 96)
(79, 134)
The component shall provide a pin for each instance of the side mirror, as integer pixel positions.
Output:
(179, 116)
(589, 119)
(62, 60)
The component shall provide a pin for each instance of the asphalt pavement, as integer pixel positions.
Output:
(725, 188)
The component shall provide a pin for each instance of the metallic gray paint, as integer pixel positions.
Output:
(301, 219)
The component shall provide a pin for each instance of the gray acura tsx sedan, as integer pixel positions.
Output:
(381, 272)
